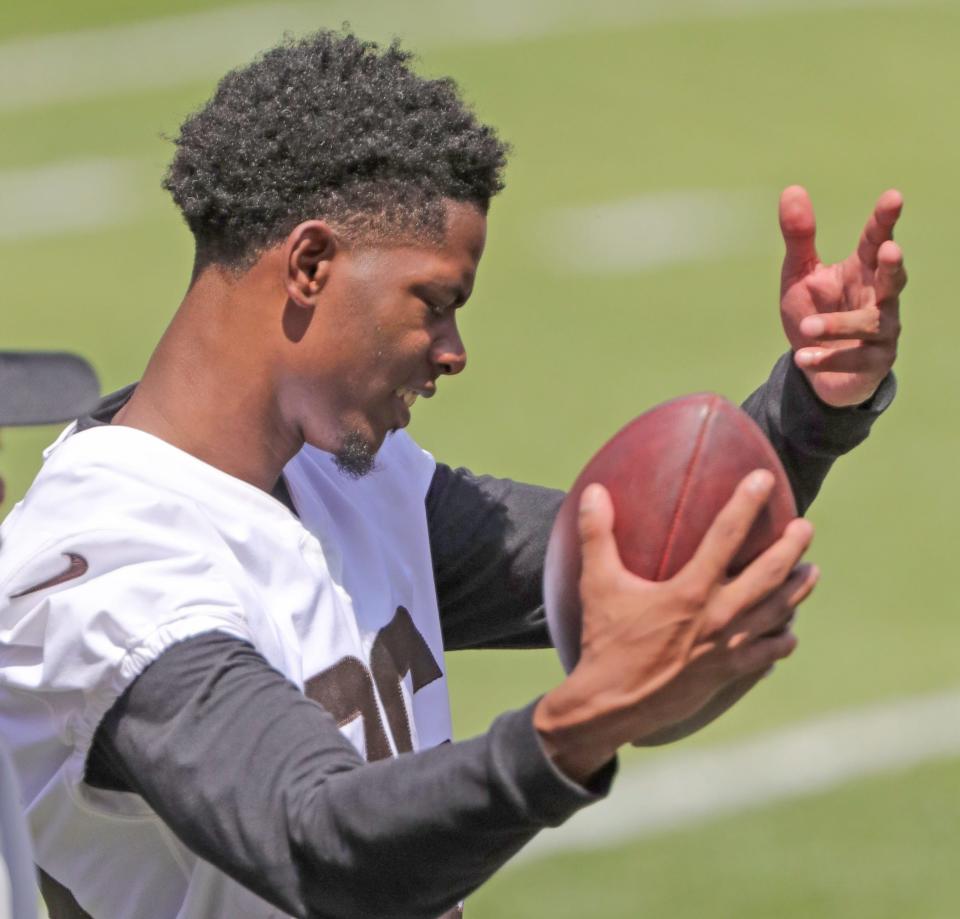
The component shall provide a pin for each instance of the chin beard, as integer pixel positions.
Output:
(355, 458)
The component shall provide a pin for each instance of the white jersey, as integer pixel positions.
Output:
(125, 545)
(18, 885)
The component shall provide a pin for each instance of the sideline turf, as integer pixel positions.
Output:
(882, 849)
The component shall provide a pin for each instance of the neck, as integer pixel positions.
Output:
(207, 391)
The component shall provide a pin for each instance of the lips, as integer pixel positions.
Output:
(407, 396)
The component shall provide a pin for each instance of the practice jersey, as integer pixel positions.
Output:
(18, 885)
(126, 545)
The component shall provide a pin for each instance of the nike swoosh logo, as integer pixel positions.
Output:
(77, 568)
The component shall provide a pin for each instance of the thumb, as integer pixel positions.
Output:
(598, 547)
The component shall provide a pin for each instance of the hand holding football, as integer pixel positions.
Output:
(669, 472)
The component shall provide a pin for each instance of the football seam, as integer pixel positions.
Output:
(684, 488)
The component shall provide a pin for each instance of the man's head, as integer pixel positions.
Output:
(329, 173)
(333, 128)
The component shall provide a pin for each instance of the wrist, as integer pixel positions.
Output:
(578, 738)
(867, 399)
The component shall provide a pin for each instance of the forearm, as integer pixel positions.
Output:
(807, 434)
(258, 780)
(423, 831)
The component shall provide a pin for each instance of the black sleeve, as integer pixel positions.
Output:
(258, 780)
(489, 536)
(807, 434)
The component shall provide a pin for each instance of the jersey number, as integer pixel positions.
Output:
(349, 689)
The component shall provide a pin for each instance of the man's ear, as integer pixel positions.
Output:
(309, 249)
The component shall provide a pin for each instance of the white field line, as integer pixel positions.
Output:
(178, 50)
(663, 228)
(684, 788)
(67, 197)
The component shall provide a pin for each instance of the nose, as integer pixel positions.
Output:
(449, 352)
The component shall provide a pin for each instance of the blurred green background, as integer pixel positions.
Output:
(630, 109)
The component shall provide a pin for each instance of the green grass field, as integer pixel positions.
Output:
(611, 105)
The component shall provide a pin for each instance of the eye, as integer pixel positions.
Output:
(440, 300)
(436, 307)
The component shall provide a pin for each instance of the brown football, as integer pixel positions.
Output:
(669, 472)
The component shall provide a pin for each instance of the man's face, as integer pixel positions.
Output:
(384, 331)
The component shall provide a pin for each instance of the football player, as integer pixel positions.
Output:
(230, 590)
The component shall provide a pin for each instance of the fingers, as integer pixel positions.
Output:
(891, 275)
(878, 320)
(866, 324)
(761, 635)
(598, 547)
(775, 613)
(760, 655)
(767, 573)
(863, 358)
(728, 531)
(879, 227)
(799, 228)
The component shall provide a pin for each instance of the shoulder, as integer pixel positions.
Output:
(99, 497)
(111, 558)
(112, 545)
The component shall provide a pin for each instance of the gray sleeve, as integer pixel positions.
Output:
(807, 434)
(489, 536)
(258, 780)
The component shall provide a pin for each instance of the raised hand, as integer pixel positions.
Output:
(842, 320)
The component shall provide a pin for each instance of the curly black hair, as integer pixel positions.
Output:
(328, 127)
